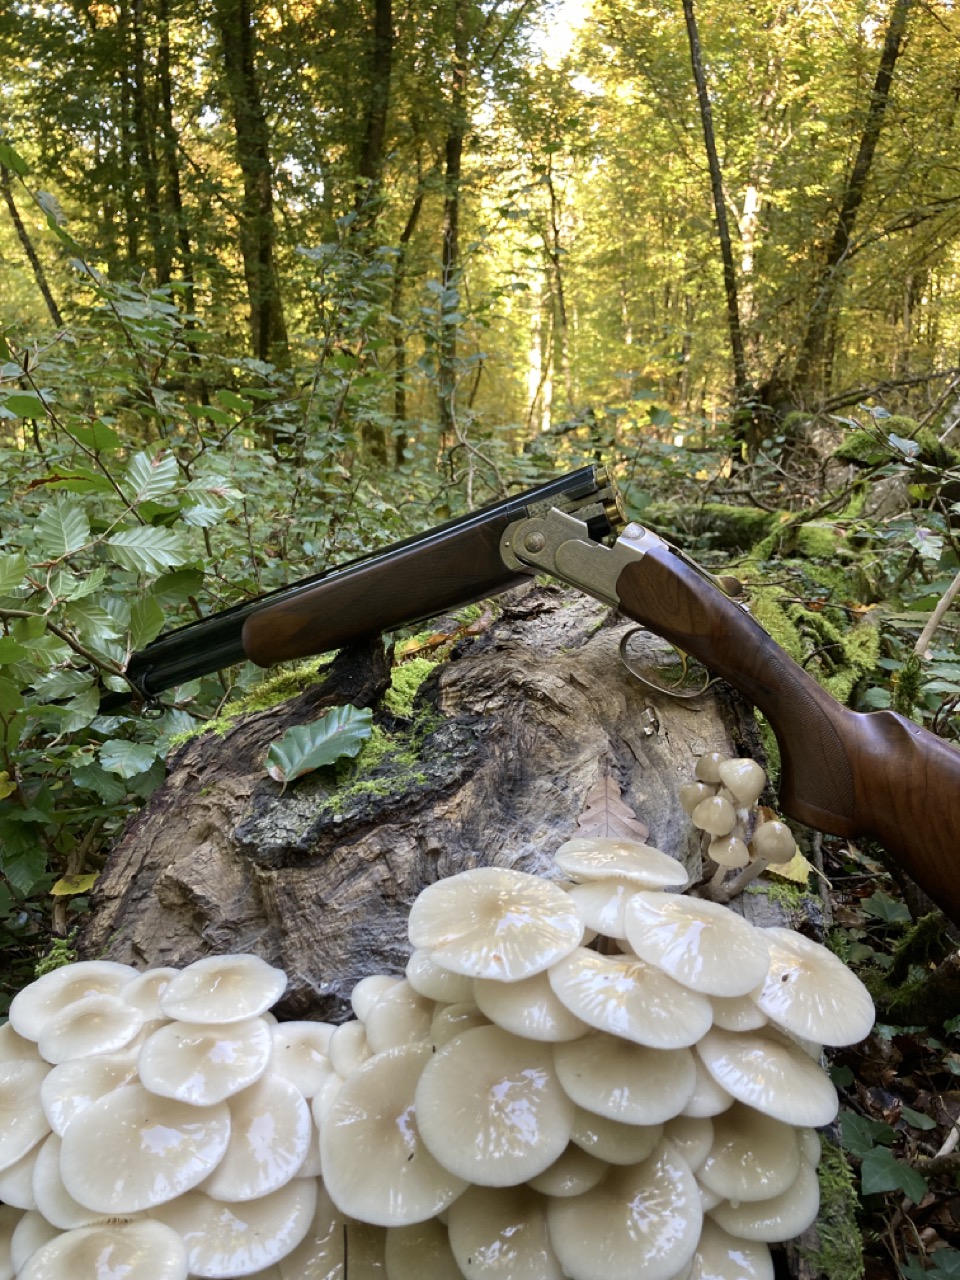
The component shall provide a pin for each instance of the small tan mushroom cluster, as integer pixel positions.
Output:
(739, 835)
(593, 1079)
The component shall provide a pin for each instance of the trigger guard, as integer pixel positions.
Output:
(662, 690)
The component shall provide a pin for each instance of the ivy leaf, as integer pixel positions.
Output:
(62, 528)
(880, 1170)
(127, 759)
(883, 907)
(12, 570)
(152, 476)
(305, 747)
(860, 1135)
(145, 550)
(917, 1119)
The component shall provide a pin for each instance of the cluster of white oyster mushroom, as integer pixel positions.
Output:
(597, 1079)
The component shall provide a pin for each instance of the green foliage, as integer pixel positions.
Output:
(305, 747)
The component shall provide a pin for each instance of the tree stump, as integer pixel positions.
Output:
(507, 738)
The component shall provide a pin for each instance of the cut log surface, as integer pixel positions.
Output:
(521, 722)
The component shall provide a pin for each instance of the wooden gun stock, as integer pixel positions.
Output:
(844, 772)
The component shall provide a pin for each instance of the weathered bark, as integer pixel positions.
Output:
(28, 248)
(810, 378)
(524, 720)
(268, 334)
(719, 207)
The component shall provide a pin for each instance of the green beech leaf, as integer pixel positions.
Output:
(12, 570)
(880, 1170)
(98, 437)
(145, 550)
(146, 621)
(127, 759)
(91, 620)
(25, 405)
(305, 747)
(230, 400)
(25, 864)
(62, 528)
(917, 1119)
(107, 786)
(11, 651)
(12, 159)
(152, 476)
(79, 711)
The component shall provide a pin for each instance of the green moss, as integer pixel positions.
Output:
(287, 682)
(789, 894)
(61, 952)
(840, 1251)
(867, 449)
(405, 682)
(819, 541)
(388, 764)
(725, 525)
(907, 683)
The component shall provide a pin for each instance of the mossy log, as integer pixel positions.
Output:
(491, 765)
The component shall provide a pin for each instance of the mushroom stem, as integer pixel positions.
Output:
(743, 877)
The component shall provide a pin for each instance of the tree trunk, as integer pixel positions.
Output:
(27, 245)
(810, 378)
(491, 766)
(268, 334)
(720, 208)
(144, 130)
(396, 324)
(370, 168)
(450, 270)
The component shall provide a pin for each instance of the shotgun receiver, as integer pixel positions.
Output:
(844, 772)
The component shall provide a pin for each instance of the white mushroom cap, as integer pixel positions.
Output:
(600, 904)
(348, 1048)
(811, 993)
(400, 1016)
(435, 983)
(737, 1013)
(452, 1020)
(501, 1234)
(708, 1199)
(571, 1174)
(144, 991)
(642, 1220)
(528, 1008)
(134, 1250)
(376, 1166)
(299, 1054)
(203, 1064)
(729, 851)
(16, 1048)
(368, 991)
(780, 1218)
(773, 842)
(692, 1136)
(226, 1240)
(752, 1157)
(490, 1107)
(704, 945)
(149, 1149)
(74, 1085)
(319, 1256)
(810, 1146)
(223, 989)
(707, 1099)
(630, 999)
(623, 1081)
(96, 1024)
(720, 1256)
(611, 1141)
(598, 858)
(691, 793)
(744, 778)
(32, 1231)
(324, 1098)
(53, 1200)
(420, 1252)
(770, 1075)
(493, 922)
(16, 1183)
(34, 1005)
(708, 766)
(270, 1128)
(22, 1122)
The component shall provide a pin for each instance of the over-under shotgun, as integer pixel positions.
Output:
(844, 772)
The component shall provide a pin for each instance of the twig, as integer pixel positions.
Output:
(943, 604)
